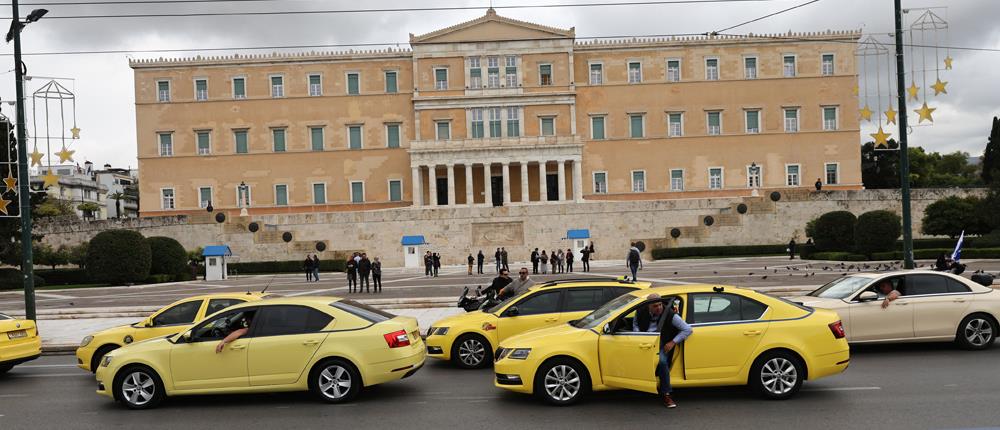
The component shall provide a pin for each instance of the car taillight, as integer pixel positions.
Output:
(838, 330)
(397, 339)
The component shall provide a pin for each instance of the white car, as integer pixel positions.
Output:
(932, 306)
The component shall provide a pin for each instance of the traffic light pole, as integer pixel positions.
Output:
(23, 184)
(904, 156)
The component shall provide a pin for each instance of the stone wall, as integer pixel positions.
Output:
(454, 232)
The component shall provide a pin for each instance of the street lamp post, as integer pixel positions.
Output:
(754, 171)
(243, 198)
(904, 157)
(24, 189)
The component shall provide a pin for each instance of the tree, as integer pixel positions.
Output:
(991, 156)
(118, 257)
(834, 231)
(168, 256)
(880, 168)
(118, 196)
(952, 215)
(89, 209)
(877, 231)
(46, 255)
(78, 255)
(53, 208)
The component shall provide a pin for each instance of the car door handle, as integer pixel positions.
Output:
(645, 345)
(751, 332)
(237, 347)
(901, 303)
(553, 319)
(959, 300)
(310, 342)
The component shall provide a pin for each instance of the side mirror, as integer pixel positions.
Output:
(867, 296)
(606, 329)
(186, 337)
(513, 312)
(147, 323)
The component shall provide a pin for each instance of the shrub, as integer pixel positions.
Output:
(46, 255)
(806, 251)
(284, 266)
(167, 256)
(78, 255)
(118, 257)
(811, 228)
(13, 279)
(877, 231)
(834, 231)
(158, 279)
(838, 256)
(952, 215)
(64, 276)
(717, 251)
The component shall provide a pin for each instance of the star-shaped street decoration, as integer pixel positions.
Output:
(48, 179)
(10, 181)
(856, 89)
(76, 132)
(881, 138)
(947, 62)
(925, 113)
(65, 155)
(914, 91)
(866, 113)
(890, 115)
(939, 87)
(3, 205)
(36, 157)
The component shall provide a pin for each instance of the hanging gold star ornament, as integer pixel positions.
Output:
(890, 115)
(76, 132)
(48, 179)
(65, 155)
(947, 62)
(939, 87)
(866, 113)
(3, 205)
(914, 91)
(881, 138)
(10, 182)
(925, 113)
(36, 157)
(856, 90)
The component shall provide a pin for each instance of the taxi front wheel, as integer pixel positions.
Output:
(138, 387)
(777, 375)
(561, 382)
(471, 351)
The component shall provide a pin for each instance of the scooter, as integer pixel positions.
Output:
(477, 302)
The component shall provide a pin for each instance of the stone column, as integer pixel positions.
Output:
(451, 184)
(432, 185)
(542, 188)
(469, 198)
(487, 185)
(418, 196)
(524, 182)
(561, 166)
(577, 181)
(506, 182)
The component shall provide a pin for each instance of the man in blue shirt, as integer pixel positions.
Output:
(654, 318)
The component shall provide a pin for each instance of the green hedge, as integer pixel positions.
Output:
(919, 254)
(118, 257)
(167, 256)
(838, 256)
(13, 279)
(718, 251)
(64, 276)
(158, 278)
(968, 242)
(284, 267)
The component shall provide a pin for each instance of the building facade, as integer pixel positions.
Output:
(78, 187)
(122, 196)
(498, 112)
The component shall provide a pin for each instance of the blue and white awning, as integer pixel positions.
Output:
(578, 234)
(413, 240)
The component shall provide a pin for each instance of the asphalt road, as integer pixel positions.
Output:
(924, 386)
(756, 272)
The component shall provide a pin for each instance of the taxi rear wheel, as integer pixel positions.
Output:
(335, 381)
(471, 351)
(138, 387)
(561, 382)
(777, 375)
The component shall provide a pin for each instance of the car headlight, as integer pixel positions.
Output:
(106, 361)
(437, 331)
(86, 341)
(519, 353)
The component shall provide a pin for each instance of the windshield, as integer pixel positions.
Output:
(595, 317)
(496, 308)
(5, 317)
(841, 288)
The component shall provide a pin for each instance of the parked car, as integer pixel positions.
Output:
(19, 342)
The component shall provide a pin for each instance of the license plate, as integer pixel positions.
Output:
(17, 334)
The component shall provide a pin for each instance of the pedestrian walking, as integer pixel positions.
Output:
(352, 274)
(569, 260)
(437, 263)
(377, 276)
(471, 261)
(544, 259)
(428, 264)
(364, 273)
(534, 262)
(307, 265)
(791, 249)
(659, 317)
(585, 258)
(496, 259)
(633, 261)
(315, 267)
(480, 259)
(503, 259)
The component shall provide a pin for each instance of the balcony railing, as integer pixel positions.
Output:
(487, 143)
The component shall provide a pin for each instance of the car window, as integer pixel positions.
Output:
(598, 315)
(957, 287)
(363, 311)
(897, 283)
(925, 284)
(216, 305)
(615, 292)
(5, 317)
(285, 320)
(710, 308)
(751, 309)
(541, 303)
(841, 288)
(181, 313)
(222, 325)
(584, 299)
(626, 323)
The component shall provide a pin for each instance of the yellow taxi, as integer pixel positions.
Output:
(327, 345)
(469, 339)
(19, 342)
(740, 337)
(171, 319)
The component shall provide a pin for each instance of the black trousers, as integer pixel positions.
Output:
(586, 265)
(377, 282)
(534, 267)
(352, 282)
(569, 266)
(479, 267)
(364, 283)
(428, 270)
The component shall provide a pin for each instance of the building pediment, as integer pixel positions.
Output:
(492, 27)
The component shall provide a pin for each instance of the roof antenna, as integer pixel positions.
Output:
(268, 284)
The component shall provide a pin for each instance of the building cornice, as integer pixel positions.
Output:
(715, 40)
(272, 58)
(491, 16)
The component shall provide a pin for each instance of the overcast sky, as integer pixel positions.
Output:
(104, 88)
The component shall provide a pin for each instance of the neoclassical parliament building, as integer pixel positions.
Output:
(497, 112)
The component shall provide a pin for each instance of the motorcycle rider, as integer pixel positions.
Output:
(517, 286)
(498, 283)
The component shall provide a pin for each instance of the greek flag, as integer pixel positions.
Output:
(957, 253)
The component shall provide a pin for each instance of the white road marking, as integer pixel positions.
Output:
(7, 396)
(844, 389)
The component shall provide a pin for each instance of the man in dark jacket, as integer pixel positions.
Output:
(498, 283)
(496, 259)
(534, 262)
(364, 270)
(428, 264)
(436, 258)
(657, 317)
(308, 268)
(585, 258)
(480, 259)
(352, 274)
